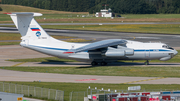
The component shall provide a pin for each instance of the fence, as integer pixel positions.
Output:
(31, 91)
(79, 96)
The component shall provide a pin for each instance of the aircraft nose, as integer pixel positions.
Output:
(175, 52)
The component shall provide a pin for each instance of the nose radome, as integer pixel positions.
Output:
(175, 52)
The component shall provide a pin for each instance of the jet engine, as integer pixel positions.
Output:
(115, 53)
(119, 52)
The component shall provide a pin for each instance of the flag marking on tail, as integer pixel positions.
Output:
(35, 29)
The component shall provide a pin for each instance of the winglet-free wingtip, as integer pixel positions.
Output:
(68, 52)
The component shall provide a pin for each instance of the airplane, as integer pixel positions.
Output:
(99, 53)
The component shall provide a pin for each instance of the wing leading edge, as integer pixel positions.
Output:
(98, 45)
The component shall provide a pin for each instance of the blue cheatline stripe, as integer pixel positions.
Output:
(141, 50)
(49, 48)
(151, 50)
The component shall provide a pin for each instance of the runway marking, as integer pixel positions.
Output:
(87, 80)
(18, 64)
(144, 80)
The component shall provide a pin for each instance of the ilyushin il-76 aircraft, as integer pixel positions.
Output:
(99, 53)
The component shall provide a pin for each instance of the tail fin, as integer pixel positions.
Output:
(27, 25)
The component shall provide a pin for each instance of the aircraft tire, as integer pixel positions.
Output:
(94, 63)
(103, 63)
(147, 62)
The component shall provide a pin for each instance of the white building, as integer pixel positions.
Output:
(104, 13)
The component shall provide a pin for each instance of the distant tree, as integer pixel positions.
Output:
(92, 6)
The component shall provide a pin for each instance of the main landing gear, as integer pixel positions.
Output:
(147, 62)
(94, 63)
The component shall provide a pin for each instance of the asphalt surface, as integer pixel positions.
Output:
(172, 40)
(7, 75)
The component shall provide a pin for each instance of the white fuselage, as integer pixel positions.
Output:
(142, 51)
(35, 37)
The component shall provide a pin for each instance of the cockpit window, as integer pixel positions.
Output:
(167, 47)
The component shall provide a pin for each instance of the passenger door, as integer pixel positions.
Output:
(147, 54)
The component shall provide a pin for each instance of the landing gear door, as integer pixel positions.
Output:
(147, 54)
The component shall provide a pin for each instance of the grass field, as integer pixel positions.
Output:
(142, 71)
(9, 43)
(152, 28)
(18, 8)
(16, 36)
(52, 16)
(10, 36)
(162, 28)
(69, 87)
(147, 16)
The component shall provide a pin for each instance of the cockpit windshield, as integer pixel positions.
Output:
(167, 47)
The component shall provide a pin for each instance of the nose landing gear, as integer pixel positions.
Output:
(146, 63)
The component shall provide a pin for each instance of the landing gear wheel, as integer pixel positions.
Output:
(103, 63)
(147, 62)
(94, 63)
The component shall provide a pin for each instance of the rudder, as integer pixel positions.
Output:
(27, 25)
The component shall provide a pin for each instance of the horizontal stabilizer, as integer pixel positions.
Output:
(24, 14)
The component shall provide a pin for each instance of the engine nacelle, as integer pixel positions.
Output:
(115, 53)
(119, 52)
(129, 52)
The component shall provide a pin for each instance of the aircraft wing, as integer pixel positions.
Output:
(99, 45)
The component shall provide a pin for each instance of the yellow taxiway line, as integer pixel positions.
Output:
(143, 80)
(18, 64)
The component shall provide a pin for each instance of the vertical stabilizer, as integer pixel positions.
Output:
(27, 25)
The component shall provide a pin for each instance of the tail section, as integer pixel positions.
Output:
(27, 25)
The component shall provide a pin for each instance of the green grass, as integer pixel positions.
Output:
(4, 17)
(161, 29)
(17, 36)
(10, 36)
(69, 87)
(142, 71)
(9, 43)
(153, 28)
(141, 16)
(53, 16)
(18, 8)
(48, 59)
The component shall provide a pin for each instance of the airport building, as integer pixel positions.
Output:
(105, 13)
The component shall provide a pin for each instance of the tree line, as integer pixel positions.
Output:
(92, 6)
